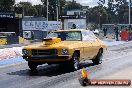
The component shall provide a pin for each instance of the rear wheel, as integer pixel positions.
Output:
(98, 59)
(32, 65)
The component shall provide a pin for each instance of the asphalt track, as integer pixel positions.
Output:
(50, 76)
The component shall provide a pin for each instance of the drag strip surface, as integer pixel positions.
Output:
(19, 75)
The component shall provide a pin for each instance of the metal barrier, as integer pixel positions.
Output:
(8, 38)
(3, 40)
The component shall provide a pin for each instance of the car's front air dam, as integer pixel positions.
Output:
(47, 58)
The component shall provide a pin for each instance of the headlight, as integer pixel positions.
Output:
(64, 51)
(25, 52)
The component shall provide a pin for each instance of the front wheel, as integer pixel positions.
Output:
(74, 64)
(32, 66)
(71, 65)
(98, 59)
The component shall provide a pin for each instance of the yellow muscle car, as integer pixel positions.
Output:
(65, 47)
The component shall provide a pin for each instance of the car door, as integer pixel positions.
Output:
(94, 42)
(87, 45)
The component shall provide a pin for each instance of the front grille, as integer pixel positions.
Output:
(44, 52)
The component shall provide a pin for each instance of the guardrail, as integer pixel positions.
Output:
(3, 41)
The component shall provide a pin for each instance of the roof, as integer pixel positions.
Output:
(75, 10)
(30, 18)
(70, 30)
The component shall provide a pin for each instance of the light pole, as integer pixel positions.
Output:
(100, 16)
(23, 13)
(57, 12)
(47, 9)
(47, 13)
(129, 12)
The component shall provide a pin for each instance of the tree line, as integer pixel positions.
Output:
(28, 9)
(116, 11)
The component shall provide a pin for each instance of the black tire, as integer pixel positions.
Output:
(32, 66)
(71, 65)
(49, 63)
(64, 66)
(74, 63)
(98, 59)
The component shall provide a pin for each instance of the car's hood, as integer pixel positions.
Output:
(68, 44)
(62, 44)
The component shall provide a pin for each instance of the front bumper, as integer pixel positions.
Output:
(48, 58)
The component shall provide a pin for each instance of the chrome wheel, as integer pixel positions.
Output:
(75, 61)
(32, 66)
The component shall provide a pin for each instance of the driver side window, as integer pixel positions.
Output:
(73, 36)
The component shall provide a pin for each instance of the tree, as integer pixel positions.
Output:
(6, 5)
(101, 2)
(98, 15)
(62, 4)
(41, 11)
(123, 13)
(119, 14)
(52, 7)
(26, 8)
(71, 5)
(117, 10)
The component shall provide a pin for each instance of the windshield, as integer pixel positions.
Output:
(69, 36)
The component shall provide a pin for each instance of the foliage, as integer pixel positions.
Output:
(6, 5)
(26, 8)
(71, 5)
(53, 4)
(40, 10)
(115, 12)
(98, 15)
